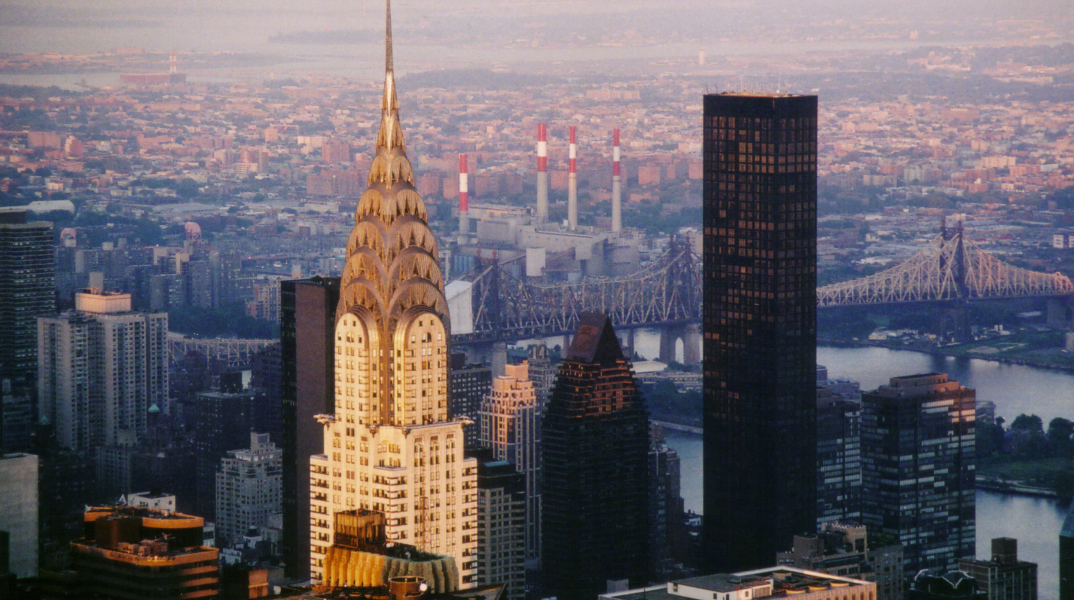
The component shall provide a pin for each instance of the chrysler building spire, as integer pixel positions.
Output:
(390, 444)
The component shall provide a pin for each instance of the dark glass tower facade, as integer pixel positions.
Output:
(595, 451)
(27, 291)
(307, 338)
(760, 239)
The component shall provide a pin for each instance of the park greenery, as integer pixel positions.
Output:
(1028, 453)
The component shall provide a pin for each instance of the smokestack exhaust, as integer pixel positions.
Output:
(542, 173)
(464, 201)
(617, 186)
(572, 182)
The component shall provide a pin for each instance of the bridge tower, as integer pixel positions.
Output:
(690, 334)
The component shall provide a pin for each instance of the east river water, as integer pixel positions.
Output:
(1035, 522)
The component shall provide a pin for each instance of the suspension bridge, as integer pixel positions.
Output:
(949, 267)
(667, 293)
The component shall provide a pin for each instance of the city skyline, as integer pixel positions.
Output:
(278, 166)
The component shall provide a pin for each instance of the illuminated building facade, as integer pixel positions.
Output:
(132, 552)
(918, 468)
(510, 427)
(390, 445)
(759, 310)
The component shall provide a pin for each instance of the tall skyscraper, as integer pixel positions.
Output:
(760, 219)
(501, 527)
(248, 489)
(101, 368)
(223, 421)
(666, 525)
(510, 428)
(389, 444)
(307, 330)
(27, 282)
(917, 446)
(470, 384)
(838, 455)
(595, 490)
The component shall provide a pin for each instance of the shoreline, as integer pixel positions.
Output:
(942, 353)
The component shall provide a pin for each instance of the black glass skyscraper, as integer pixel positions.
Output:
(760, 219)
(307, 338)
(595, 474)
(27, 282)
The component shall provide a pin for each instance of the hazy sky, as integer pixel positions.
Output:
(486, 32)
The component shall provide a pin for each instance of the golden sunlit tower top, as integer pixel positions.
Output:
(391, 322)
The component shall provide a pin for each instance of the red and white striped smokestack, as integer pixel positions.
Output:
(464, 201)
(572, 181)
(174, 63)
(617, 189)
(542, 173)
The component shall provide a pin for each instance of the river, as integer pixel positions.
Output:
(1035, 522)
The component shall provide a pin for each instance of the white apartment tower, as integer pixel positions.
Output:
(100, 368)
(249, 488)
(510, 421)
(390, 445)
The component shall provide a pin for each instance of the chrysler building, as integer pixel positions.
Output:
(390, 446)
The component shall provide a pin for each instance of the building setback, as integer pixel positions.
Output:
(510, 428)
(130, 552)
(759, 311)
(595, 478)
(917, 444)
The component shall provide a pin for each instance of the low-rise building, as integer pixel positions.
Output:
(1003, 577)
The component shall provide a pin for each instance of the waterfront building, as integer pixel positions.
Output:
(248, 488)
(918, 465)
(665, 503)
(838, 454)
(1003, 577)
(389, 443)
(27, 281)
(510, 427)
(501, 527)
(102, 367)
(759, 309)
(595, 490)
(307, 341)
